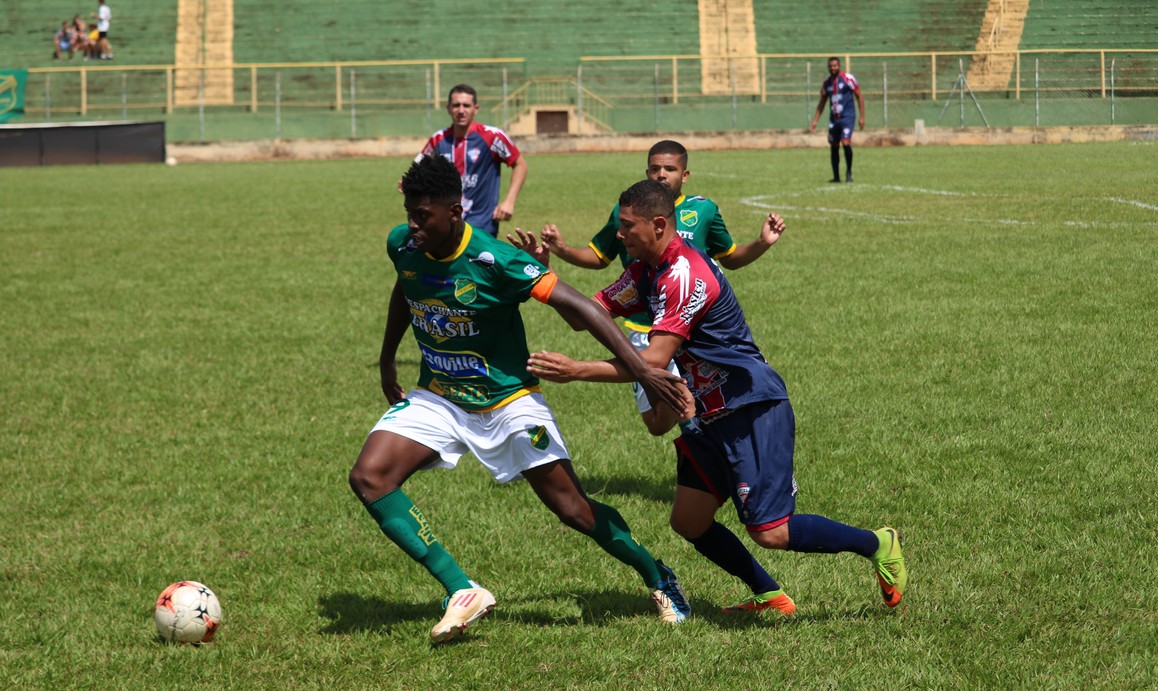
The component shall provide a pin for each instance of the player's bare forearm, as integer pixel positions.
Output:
(583, 257)
(505, 210)
(561, 369)
(397, 322)
(659, 384)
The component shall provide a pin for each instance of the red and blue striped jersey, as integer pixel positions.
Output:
(687, 295)
(840, 91)
(478, 157)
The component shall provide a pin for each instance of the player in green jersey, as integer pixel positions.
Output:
(458, 290)
(698, 221)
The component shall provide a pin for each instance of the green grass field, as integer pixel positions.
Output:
(968, 335)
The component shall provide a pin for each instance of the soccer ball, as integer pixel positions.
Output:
(187, 612)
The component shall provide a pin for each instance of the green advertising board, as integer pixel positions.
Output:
(12, 93)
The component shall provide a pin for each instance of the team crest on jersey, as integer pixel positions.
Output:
(465, 291)
(539, 437)
(689, 217)
(473, 154)
(532, 270)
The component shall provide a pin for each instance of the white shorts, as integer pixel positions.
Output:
(640, 340)
(508, 440)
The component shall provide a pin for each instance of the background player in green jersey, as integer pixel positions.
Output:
(698, 221)
(459, 290)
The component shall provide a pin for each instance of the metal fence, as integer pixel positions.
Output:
(623, 94)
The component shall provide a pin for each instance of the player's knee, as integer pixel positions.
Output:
(687, 527)
(776, 538)
(368, 483)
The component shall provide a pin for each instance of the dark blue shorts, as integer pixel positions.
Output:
(841, 129)
(747, 456)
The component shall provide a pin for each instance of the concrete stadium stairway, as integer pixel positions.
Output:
(204, 37)
(728, 40)
(1000, 35)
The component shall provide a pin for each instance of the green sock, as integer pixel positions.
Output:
(612, 534)
(405, 525)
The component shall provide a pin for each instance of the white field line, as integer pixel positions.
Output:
(766, 202)
(1140, 205)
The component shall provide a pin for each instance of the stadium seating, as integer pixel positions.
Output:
(141, 33)
(1090, 25)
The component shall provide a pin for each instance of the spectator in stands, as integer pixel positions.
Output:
(63, 42)
(92, 46)
(839, 90)
(478, 151)
(104, 16)
(80, 41)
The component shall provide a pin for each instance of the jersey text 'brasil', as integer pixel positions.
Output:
(464, 313)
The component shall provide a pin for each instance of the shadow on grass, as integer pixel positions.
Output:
(642, 486)
(350, 613)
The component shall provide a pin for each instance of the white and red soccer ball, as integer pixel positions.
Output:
(187, 612)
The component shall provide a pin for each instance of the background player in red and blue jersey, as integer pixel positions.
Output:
(478, 152)
(741, 443)
(839, 90)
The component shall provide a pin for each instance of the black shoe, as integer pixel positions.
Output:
(835, 180)
(847, 178)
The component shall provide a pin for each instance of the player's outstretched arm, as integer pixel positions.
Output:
(747, 253)
(584, 257)
(628, 364)
(397, 321)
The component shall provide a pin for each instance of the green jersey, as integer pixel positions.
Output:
(698, 221)
(464, 311)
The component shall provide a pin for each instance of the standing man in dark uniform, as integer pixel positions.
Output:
(838, 90)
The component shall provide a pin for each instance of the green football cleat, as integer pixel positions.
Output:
(890, 566)
(774, 599)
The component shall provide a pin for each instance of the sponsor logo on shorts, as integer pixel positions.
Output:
(465, 291)
(539, 437)
(742, 491)
(460, 365)
(410, 275)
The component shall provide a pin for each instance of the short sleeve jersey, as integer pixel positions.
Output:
(687, 295)
(464, 312)
(698, 221)
(478, 157)
(840, 91)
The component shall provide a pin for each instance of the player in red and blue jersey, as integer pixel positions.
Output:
(839, 90)
(698, 221)
(741, 442)
(478, 152)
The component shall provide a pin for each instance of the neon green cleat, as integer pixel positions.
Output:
(773, 599)
(890, 566)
